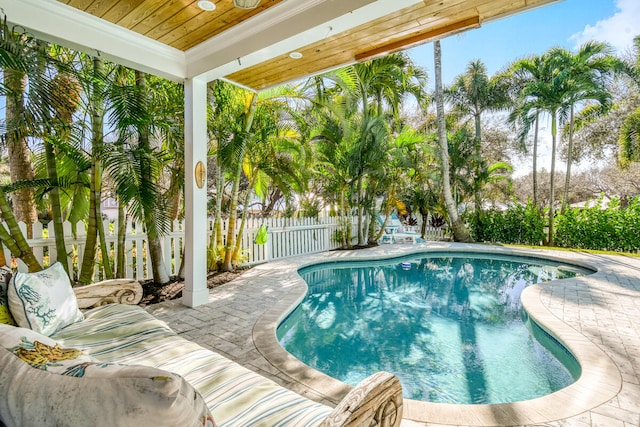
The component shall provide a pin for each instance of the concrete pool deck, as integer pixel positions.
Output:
(597, 317)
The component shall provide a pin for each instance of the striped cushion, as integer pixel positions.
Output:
(235, 395)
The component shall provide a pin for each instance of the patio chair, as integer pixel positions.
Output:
(393, 231)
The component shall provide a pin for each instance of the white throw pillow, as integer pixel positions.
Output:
(43, 301)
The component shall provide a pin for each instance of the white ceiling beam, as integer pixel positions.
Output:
(58, 23)
(283, 28)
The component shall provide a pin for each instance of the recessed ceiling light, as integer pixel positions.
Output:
(206, 5)
(295, 55)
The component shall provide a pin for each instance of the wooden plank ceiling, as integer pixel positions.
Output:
(182, 25)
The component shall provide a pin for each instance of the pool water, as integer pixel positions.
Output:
(450, 326)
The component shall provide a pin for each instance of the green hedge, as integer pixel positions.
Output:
(517, 225)
(615, 228)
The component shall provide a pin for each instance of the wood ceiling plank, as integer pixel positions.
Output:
(201, 28)
(120, 9)
(100, 7)
(174, 22)
(187, 27)
(79, 4)
(228, 17)
(421, 37)
(164, 13)
(140, 13)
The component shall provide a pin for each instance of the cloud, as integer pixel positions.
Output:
(618, 30)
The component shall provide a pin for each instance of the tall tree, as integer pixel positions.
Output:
(96, 91)
(589, 72)
(460, 232)
(29, 102)
(629, 140)
(474, 93)
(135, 164)
(242, 142)
(526, 112)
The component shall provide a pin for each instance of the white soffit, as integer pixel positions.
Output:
(58, 23)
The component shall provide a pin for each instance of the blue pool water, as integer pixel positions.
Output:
(450, 326)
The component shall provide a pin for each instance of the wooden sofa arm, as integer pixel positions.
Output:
(375, 401)
(123, 291)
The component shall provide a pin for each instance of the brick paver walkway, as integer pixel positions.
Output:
(604, 307)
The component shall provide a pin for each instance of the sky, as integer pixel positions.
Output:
(568, 24)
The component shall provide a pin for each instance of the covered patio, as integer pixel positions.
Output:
(255, 46)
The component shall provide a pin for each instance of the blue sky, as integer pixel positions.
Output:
(568, 24)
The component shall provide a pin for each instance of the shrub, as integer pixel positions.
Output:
(517, 225)
(614, 228)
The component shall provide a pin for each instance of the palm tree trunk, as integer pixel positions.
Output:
(567, 181)
(14, 239)
(345, 230)
(460, 232)
(104, 250)
(95, 176)
(477, 147)
(243, 220)
(56, 210)
(360, 213)
(175, 194)
(227, 264)
(552, 178)
(535, 162)
(216, 239)
(121, 267)
(20, 168)
(153, 238)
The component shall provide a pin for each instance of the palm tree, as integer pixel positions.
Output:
(526, 111)
(374, 90)
(95, 90)
(589, 71)
(629, 140)
(333, 165)
(134, 164)
(474, 93)
(19, 68)
(42, 96)
(549, 93)
(269, 157)
(460, 232)
(241, 142)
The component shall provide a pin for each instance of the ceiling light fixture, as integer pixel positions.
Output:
(206, 5)
(295, 55)
(246, 4)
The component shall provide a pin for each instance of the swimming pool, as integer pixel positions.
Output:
(449, 325)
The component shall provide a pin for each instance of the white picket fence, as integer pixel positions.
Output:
(287, 237)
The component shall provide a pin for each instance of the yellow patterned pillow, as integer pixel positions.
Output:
(63, 386)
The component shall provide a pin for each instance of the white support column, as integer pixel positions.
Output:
(195, 150)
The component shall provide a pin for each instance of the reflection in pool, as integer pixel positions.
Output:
(450, 326)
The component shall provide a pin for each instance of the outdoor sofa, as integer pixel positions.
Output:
(117, 365)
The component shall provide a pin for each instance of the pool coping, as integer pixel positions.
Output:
(599, 382)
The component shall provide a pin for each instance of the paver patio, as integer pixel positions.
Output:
(604, 308)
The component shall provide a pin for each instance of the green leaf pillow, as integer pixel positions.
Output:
(43, 301)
